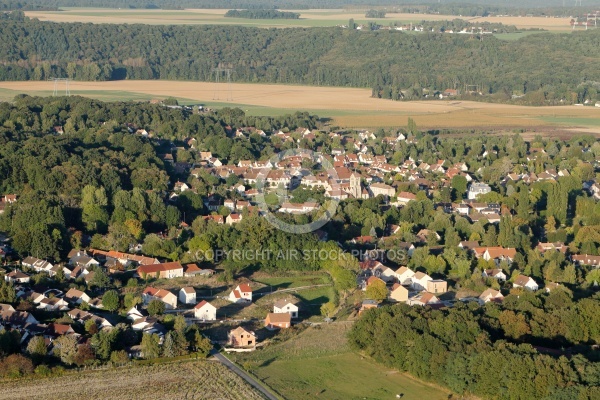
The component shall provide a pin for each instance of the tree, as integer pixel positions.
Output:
(37, 349)
(459, 185)
(15, 366)
(65, 347)
(202, 344)
(100, 279)
(328, 309)
(110, 301)
(85, 355)
(150, 345)
(377, 290)
(156, 307)
(119, 357)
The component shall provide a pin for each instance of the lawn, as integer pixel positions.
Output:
(318, 363)
(178, 380)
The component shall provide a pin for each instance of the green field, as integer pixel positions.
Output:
(570, 121)
(293, 281)
(319, 364)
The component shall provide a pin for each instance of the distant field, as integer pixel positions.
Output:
(183, 380)
(308, 18)
(347, 107)
(318, 364)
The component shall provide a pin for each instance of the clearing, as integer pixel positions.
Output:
(317, 363)
(308, 18)
(346, 107)
(179, 380)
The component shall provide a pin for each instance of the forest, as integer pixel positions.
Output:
(262, 14)
(389, 61)
(496, 351)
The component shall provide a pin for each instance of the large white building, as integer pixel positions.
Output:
(478, 188)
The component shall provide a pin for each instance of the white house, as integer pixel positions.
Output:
(494, 273)
(205, 311)
(187, 295)
(16, 276)
(478, 188)
(163, 295)
(525, 282)
(241, 294)
(77, 296)
(490, 295)
(404, 275)
(385, 273)
(419, 281)
(285, 306)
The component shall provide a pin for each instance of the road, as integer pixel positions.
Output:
(237, 370)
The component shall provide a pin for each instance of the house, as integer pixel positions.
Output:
(16, 276)
(468, 244)
(37, 264)
(233, 218)
(241, 294)
(205, 311)
(77, 296)
(165, 270)
(404, 197)
(399, 293)
(419, 281)
(490, 295)
(53, 304)
(498, 254)
(240, 337)
(285, 306)
(557, 246)
(494, 273)
(585, 259)
(82, 316)
(404, 275)
(385, 273)
(135, 313)
(478, 188)
(525, 282)
(278, 320)
(367, 304)
(163, 295)
(187, 295)
(437, 286)
(81, 259)
(426, 299)
(382, 189)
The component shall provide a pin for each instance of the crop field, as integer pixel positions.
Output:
(308, 18)
(346, 107)
(318, 363)
(183, 380)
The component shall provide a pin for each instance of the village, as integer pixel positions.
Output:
(355, 173)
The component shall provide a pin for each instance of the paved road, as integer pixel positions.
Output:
(256, 384)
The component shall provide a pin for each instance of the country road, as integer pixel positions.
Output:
(242, 374)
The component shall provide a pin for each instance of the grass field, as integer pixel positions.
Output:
(182, 380)
(318, 364)
(346, 107)
(308, 18)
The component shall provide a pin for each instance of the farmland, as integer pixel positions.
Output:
(308, 18)
(190, 380)
(318, 363)
(347, 107)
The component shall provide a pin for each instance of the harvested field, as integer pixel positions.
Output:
(308, 18)
(347, 107)
(183, 380)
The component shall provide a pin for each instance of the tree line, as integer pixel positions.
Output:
(496, 351)
(389, 61)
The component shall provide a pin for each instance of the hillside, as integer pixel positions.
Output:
(385, 60)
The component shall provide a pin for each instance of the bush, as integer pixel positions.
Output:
(15, 366)
(43, 370)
